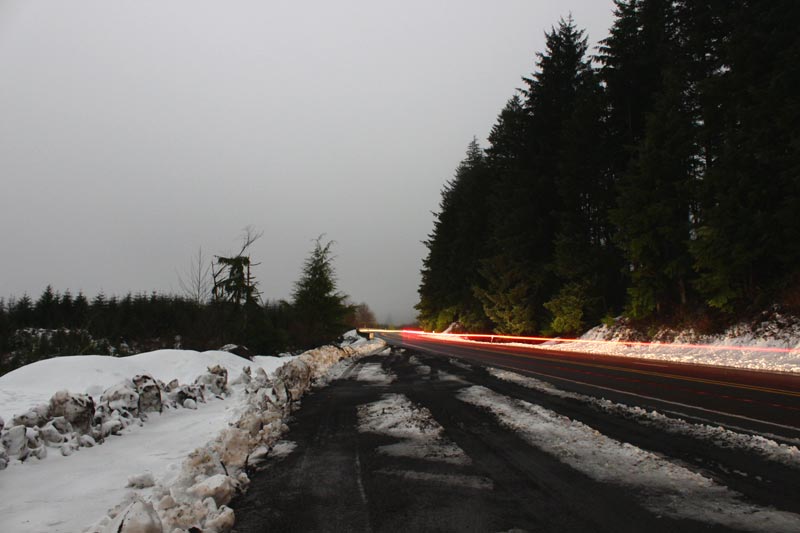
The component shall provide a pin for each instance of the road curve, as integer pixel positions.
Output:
(766, 403)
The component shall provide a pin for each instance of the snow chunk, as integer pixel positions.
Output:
(220, 487)
(138, 517)
(141, 481)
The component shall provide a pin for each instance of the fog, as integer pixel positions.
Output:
(134, 133)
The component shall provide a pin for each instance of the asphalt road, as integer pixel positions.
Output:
(764, 402)
(341, 476)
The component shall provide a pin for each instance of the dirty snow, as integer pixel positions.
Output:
(759, 445)
(420, 436)
(664, 487)
(374, 373)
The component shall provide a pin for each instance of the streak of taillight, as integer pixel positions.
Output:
(489, 338)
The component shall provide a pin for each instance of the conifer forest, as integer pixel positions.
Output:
(656, 177)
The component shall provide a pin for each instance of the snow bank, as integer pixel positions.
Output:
(742, 346)
(35, 383)
(58, 494)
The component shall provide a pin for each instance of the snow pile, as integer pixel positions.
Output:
(69, 421)
(736, 347)
(761, 446)
(58, 494)
(663, 486)
(197, 496)
(35, 383)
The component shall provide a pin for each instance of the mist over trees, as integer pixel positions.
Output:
(659, 178)
(221, 305)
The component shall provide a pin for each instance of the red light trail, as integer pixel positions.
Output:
(489, 338)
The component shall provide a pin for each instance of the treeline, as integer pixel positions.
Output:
(66, 324)
(659, 178)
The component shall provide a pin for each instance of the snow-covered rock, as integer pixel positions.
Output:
(77, 409)
(215, 380)
(15, 441)
(149, 393)
(51, 435)
(121, 397)
(33, 417)
(187, 392)
(3, 457)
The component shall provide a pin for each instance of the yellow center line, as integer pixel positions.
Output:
(782, 392)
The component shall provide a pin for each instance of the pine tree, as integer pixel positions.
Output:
(454, 248)
(319, 309)
(46, 308)
(518, 272)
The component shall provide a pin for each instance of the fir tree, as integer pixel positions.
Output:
(455, 246)
(319, 309)
(526, 200)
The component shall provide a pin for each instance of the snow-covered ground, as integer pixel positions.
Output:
(772, 345)
(787, 455)
(663, 486)
(160, 462)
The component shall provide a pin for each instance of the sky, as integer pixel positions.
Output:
(134, 133)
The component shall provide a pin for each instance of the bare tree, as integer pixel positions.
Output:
(195, 281)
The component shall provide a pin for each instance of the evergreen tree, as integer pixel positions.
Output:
(585, 261)
(455, 246)
(519, 276)
(748, 243)
(653, 217)
(46, 308)
(319, 309)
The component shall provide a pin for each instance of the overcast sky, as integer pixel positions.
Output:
(132, 133)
